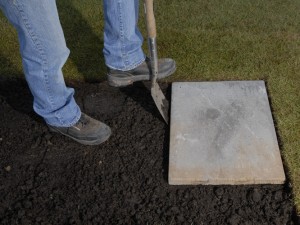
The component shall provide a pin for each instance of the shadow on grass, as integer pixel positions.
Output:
(85, 45)
(287, 184)
(279, 139)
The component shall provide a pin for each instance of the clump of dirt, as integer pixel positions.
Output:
(46, 178)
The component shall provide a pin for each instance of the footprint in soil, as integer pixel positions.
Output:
(107, 103)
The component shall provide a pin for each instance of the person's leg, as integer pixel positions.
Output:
(44, 52)
(123, 52)
(122, 38)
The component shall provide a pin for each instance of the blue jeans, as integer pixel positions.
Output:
(44, 51)
(122, 38)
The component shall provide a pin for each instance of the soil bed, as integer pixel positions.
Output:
(46, 178)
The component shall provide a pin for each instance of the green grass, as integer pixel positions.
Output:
(210, 40)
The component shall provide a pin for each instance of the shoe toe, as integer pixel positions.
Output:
(166, 67)
(103, 133)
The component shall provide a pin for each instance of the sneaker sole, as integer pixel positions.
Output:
(123, 80)
(84, 142)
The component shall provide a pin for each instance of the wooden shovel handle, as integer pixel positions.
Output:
(150, 19)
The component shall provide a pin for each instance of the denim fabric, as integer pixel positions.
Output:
(44, 51)
(122, 38)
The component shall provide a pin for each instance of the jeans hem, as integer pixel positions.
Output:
(76, 119)
(131, 67)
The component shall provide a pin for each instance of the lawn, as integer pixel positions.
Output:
(210, 40)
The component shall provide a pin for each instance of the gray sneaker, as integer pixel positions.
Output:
(87, 131)
(119, 78)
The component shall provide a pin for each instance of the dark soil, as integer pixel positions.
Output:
(46, 178)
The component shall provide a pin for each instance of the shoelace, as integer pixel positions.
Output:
(81, 123)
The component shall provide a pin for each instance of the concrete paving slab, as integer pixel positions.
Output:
(223, 133)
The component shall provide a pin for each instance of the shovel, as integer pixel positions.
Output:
(160, 100)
